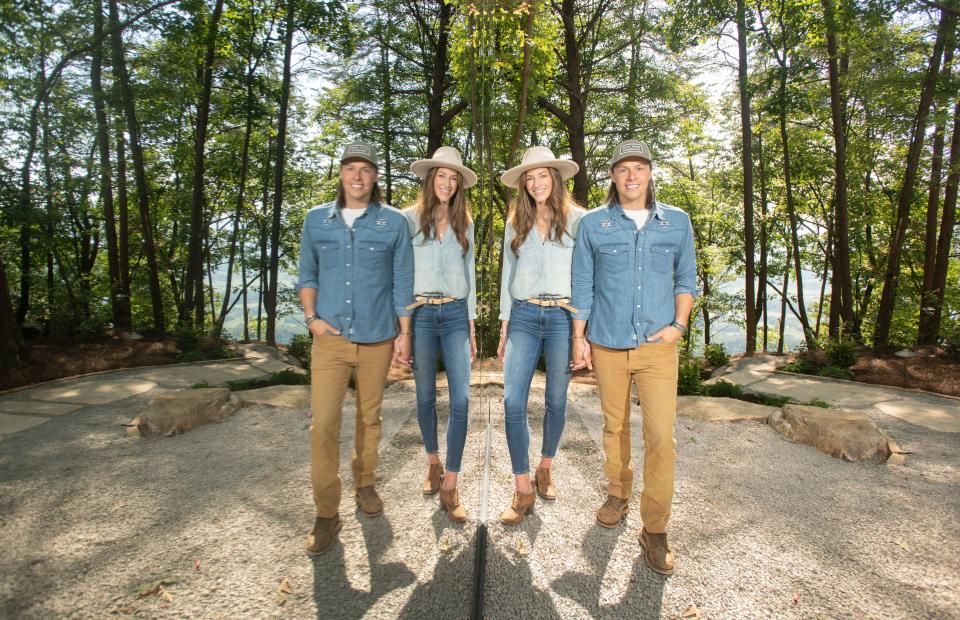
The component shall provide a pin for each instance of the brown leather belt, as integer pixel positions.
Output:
(430, 301)
(549, 302)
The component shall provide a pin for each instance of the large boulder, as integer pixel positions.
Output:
(843, 434)
(722, 409)
(180, 411)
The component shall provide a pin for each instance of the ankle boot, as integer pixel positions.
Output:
(522, 504)
(450, 503)
(434, 475)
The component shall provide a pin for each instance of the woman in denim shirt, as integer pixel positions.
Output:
(535, 313)
(444, 288)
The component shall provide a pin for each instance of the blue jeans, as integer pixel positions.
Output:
(442, 328)
(534, 330)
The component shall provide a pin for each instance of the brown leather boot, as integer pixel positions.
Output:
(369, 502)
(323, 535)
(434, 476)
(450, 503)
(522, 504)
(543, 482)
(613, 511)
(656, 552)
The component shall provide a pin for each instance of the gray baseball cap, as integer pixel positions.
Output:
(360, 150)
(630, 148)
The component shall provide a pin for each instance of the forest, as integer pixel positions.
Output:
(159, 155)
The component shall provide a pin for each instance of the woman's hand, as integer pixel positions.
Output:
(580, 355)
(401, 351)
(502, 346)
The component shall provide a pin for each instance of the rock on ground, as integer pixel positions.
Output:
(847, 435)
(183, 410)
(722, 409)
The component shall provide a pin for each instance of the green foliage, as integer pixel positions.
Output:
(842, 353)
(289, 376)
(835, 372)
(190, 356)
(952, 346)
(716, 355)
(200, 385)
(723, 389)
(689, 382)
(800, 365)
(773, 400)
(816, 402)
(300, 347)
(187, 338)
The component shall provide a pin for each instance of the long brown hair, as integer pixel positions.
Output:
(427, 203)
(523, 210)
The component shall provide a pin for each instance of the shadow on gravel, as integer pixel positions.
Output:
(643, 598)
(448, 592)
(333, 594)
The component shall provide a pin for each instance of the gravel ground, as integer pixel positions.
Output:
(88, 516)
(761, 527)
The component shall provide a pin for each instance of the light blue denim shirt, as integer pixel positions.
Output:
(543, 267)
(625, 279)
(363, 275)
(440, 266)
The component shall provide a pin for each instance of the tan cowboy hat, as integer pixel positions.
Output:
(445, 157)
(539, 157)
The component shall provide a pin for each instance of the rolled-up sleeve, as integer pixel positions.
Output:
(582, 274)
(309, 265)
(402, 271)
(471, 270)
(685, 265)
(506, 275)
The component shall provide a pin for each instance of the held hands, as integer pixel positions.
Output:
(502, 346)
(473, 347)
(580, 356)
(401, 351)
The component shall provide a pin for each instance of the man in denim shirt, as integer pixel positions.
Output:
(634, 282)
(355, 282)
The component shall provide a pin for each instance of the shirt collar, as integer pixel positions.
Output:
(656, 210)
(373, 209)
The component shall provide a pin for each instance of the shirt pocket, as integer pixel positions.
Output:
(374, 255)
(614, 256)
(328, 254)
(661, 257)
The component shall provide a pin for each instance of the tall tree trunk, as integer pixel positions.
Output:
(271, 300)
(881, 334)
(123, 222)
(193, 286)
(747, 159)
(13, 352)
(140, 174)
(438, 80)
(841, 296)
(947, 223)
(926, 330)
(783, 301)
(119, 305)
(761, 306)
(386, 105)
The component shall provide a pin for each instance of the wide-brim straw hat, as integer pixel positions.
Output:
(445, 157)
(539, 157)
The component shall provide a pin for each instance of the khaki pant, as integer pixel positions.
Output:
(653, 367)
(333, 361)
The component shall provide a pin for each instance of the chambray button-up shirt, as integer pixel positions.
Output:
(543, 267)
(440, 266)
(625, 279)
(363, 275)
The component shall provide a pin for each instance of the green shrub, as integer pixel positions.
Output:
(716, 355)
(800, 365)
(200, 385)
(835, 372)
(772, 400)
(952, 346)
(816, 402)
(299, 348)
(689, 382)
(289, 376)
(239, 385)
(842, 353)
(187, 338)
(191, 356)
(723, 389)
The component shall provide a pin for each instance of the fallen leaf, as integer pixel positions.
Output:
(796, 598)
(522, 546)
(284, 587)
(165, 594)
(444, 544)
(152, 588)
(196, 564)
(691, 611)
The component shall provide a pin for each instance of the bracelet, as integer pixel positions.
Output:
(406, 333)
(578, 337)
(311, 318)
(680, 326)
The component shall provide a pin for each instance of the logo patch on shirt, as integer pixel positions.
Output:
(664, 222)
(380, 222)
(606, 224)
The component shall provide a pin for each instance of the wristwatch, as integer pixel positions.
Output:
(311, 318)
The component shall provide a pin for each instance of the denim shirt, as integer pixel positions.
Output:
(543, 267)
(363, 275)
(623, 310)
(440, 266)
